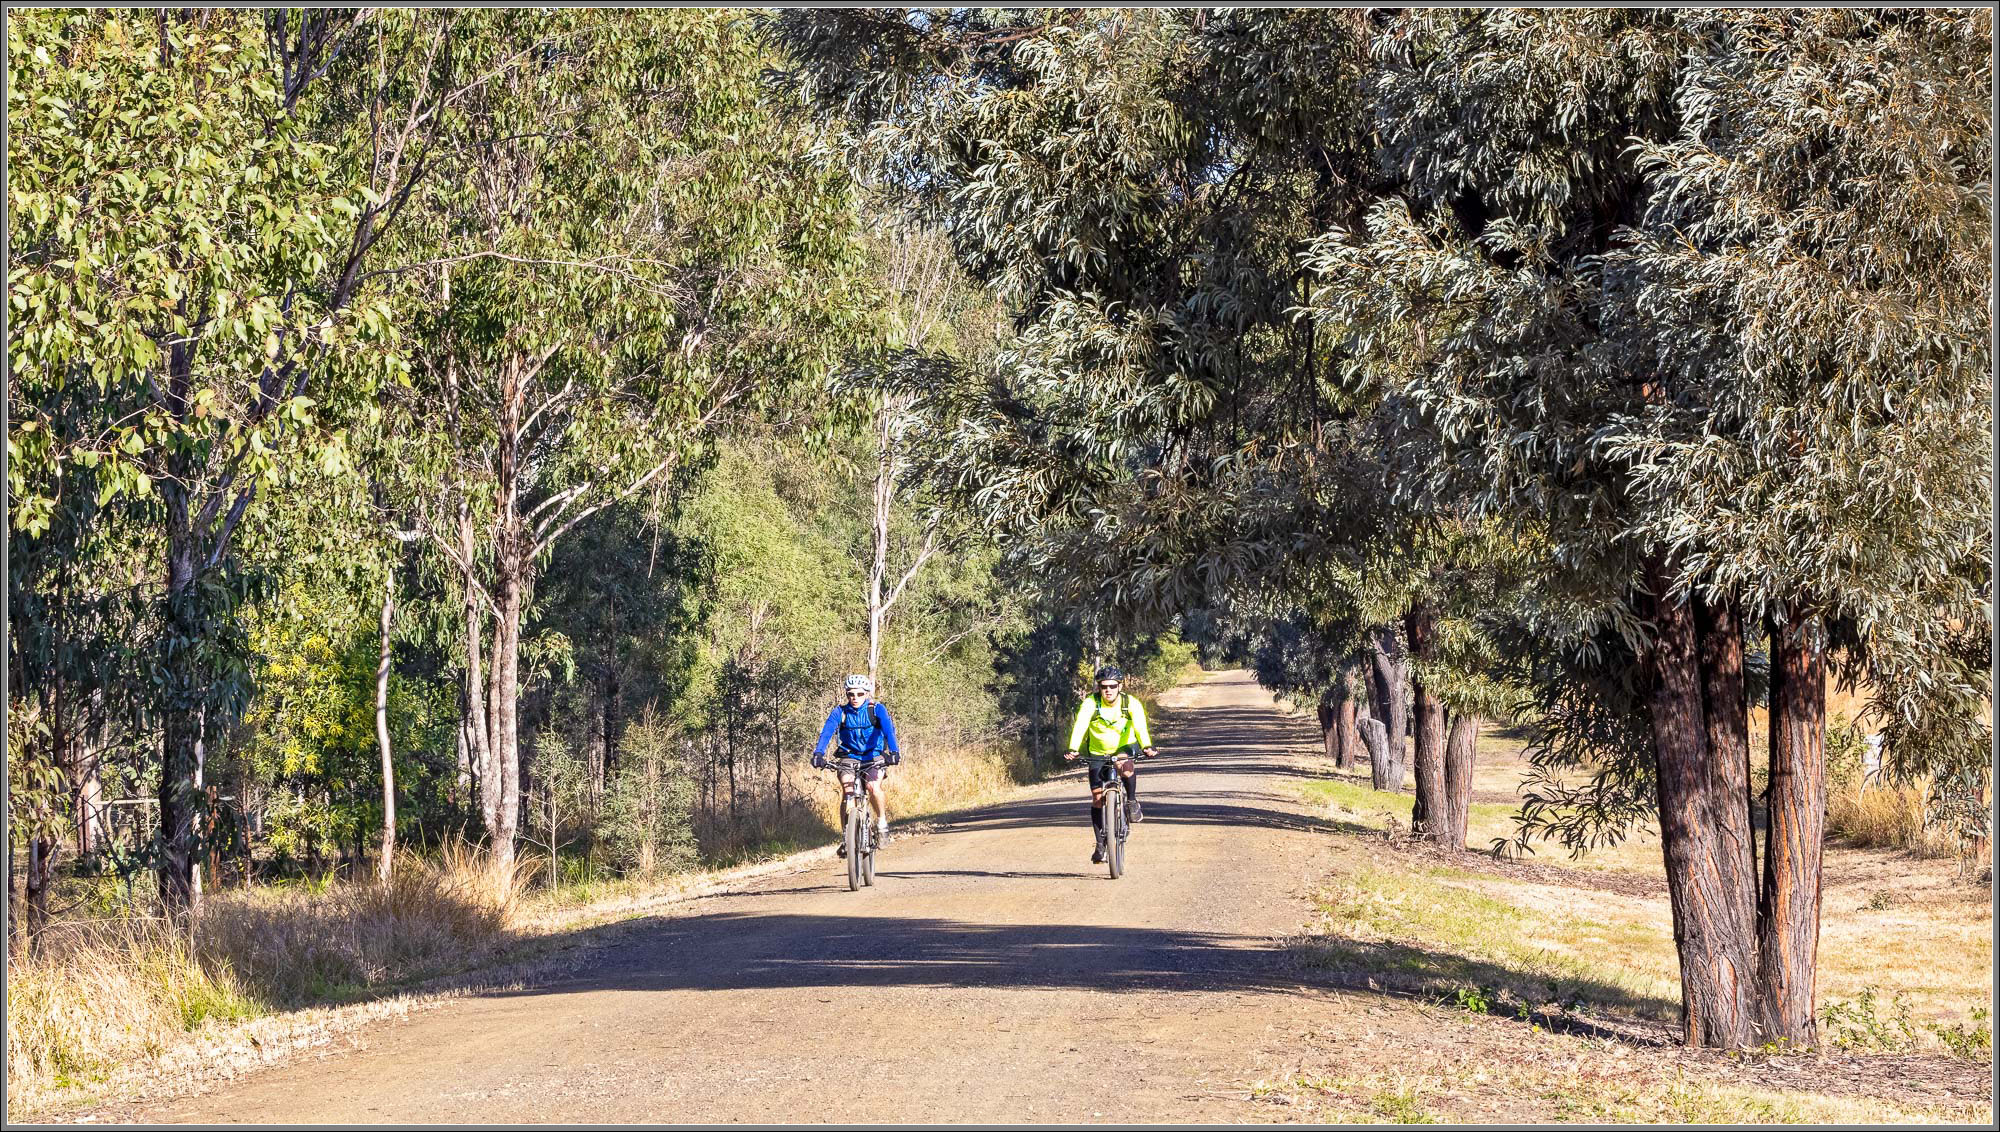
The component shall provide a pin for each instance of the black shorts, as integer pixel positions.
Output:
(1102, 767)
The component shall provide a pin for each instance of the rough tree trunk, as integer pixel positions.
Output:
(1429, 817)
(388, 859)
(1705, 834)
(1348, 749)
(1788, 907)
(1725, 708)
(1376, 738)
(1329, 724)
(1461, 751)
(1387, 677)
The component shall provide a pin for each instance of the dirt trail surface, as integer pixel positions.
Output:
(992, 974)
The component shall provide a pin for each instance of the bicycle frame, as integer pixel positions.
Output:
(859, 834)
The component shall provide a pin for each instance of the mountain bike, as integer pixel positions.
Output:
(859, 836)
(1116, 827)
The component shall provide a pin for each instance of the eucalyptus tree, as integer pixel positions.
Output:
(1133, 186)
(631, 251)
(1682, 297)
(1137, 188)
(1812, 275)
(183, 247)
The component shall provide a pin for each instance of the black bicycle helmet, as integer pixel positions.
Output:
(1110, 672)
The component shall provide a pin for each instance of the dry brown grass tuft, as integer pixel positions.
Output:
(94, 994)
(1885, 817)
(298, 944)
(950, 779)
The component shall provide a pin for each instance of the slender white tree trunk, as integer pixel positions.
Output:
(388, 859)
(885, 486)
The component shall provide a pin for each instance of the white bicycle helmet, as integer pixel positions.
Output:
(860, 684)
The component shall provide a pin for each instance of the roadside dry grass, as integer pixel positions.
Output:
(1568, 969)
(111, 1006)
(97, 995)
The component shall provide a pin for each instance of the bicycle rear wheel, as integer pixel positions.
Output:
(868, 855)
(855, 847)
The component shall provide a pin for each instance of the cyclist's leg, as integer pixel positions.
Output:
(1131, 778)
(845, 776)
(1099, 779)
(846, 780)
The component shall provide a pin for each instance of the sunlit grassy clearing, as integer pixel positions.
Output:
(1561, 1079)
(1891, 920)
(1433, 929)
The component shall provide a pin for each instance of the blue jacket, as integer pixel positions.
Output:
(865, 732)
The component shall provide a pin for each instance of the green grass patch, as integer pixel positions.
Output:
(1354, 800)
(1401, 1107)
(1421, 930)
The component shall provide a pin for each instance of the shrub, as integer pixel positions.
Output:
(648, 823)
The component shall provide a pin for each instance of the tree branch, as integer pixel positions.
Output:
(923, 556)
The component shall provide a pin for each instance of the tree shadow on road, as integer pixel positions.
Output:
(725, 951)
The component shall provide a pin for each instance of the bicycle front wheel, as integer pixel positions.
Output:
(1114, 849)
(856, 845)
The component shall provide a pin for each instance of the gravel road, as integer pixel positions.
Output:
(993, 974)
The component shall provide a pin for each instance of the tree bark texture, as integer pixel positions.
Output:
(1724, 706)
(1461, 749)
(1429, 817)
(1388, 675)
(1329, 725)
(1376, 738)
(1348, 747)
(1705, 833)
(1788, 907)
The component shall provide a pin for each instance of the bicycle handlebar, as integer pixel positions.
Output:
(844, 762)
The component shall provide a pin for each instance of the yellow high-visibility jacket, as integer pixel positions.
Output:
(1109, 726)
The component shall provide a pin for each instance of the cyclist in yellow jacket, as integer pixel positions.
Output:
(1115, 726)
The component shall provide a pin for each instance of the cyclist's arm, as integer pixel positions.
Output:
(1080, 726)
(826, 731)
(1139, 725)
(888, 731)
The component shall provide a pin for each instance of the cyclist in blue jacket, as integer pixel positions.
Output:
(866, 734)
